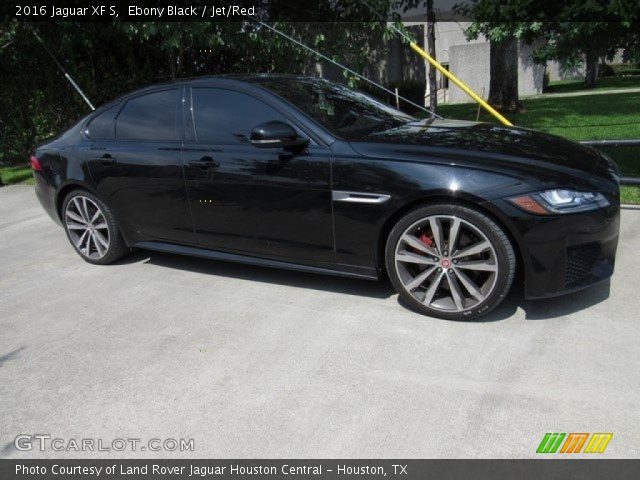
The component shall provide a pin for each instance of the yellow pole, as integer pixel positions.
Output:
(460, 84)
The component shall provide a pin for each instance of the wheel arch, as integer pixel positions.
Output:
(465, 200)
(65, 189)
(70, 186)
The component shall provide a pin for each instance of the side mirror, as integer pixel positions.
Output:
(276, 134)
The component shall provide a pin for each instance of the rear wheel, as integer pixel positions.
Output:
(450, 261)
(92, 228)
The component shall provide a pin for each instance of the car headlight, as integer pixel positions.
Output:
(560, 201)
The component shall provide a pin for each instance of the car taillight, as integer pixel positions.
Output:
(34, 163)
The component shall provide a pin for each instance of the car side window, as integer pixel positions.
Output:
(153, 116)
(101, 126)
(226, 117)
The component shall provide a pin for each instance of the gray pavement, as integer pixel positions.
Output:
(252, 362)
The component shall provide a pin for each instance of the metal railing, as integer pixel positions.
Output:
(599, 144)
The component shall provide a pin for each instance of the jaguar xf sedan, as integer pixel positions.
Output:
(304, 174)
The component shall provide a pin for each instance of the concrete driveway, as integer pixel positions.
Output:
(252, 362)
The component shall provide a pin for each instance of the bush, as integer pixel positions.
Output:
(622, 69)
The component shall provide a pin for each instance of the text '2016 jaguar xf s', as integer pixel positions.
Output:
(305, 174)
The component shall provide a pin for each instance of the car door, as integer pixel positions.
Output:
(266, 202)
(137, 166)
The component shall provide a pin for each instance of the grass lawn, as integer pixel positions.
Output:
(11, 175)
(605, 83)
(630, 194)
(588, 117)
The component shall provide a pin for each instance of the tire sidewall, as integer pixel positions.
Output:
(505, 258)
(113, 252)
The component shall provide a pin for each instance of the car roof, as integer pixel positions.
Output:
(241, 78)
(251, 78)
(259, 77)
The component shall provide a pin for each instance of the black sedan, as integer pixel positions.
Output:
(305, 174)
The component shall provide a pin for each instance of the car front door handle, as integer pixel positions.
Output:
(205, 162)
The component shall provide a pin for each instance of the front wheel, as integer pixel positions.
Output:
(91, 228)
(450, 261)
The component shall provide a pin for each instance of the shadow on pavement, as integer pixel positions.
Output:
(7, 450)
(10, 356)
(534, 309)
(566, 304)
(313, 281)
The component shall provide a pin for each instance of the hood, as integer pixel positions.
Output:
(482, 144)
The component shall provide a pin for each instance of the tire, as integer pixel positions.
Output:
(92, 228)
(471, 281)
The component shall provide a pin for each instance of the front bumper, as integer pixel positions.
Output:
(565, 253)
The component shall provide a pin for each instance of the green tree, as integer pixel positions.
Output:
(501, 23)
(588, 41)
(579, 30)
(108, 60)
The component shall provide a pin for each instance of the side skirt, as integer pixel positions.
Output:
(364, 274)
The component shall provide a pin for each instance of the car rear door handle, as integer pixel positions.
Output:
(106, 159)
(205, 162)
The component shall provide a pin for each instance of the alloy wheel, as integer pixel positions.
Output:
(446, 263)
(87, 227)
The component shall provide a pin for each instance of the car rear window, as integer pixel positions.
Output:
(101, 126)
(153, 116)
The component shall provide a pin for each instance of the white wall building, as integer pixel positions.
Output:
(469, 61)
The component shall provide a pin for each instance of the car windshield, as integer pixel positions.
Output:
(346, 113)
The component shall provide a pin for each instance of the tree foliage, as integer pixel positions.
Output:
(569, 31)
(108, 60)
(572, 30)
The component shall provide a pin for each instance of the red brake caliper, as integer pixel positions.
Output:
(424, 238)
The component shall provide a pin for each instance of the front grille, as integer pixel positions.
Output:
(580, 262)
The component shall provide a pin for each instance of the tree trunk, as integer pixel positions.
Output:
(592, 70)
(180, 60)
(431, 48)
(172, 65)
(503, 71)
